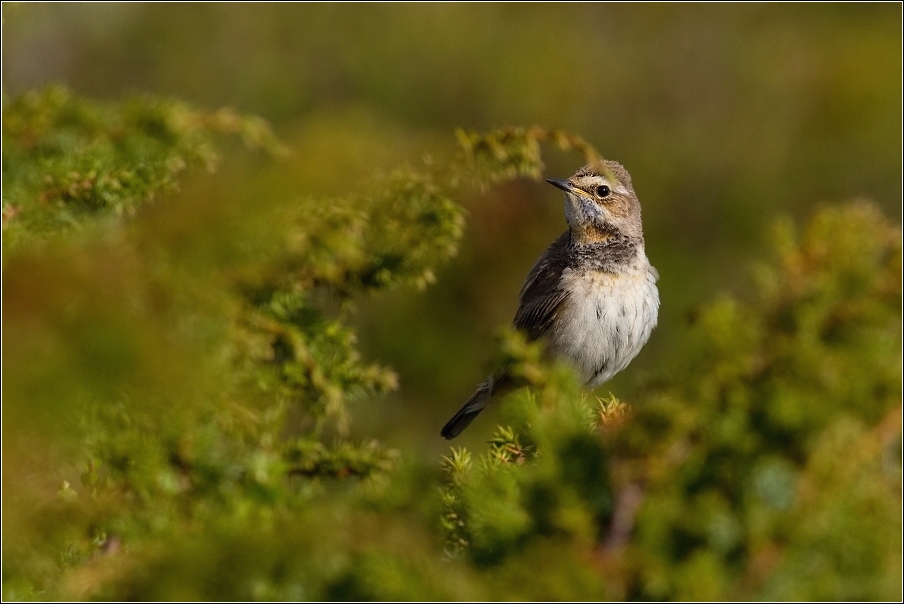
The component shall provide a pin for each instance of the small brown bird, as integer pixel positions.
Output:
(592, 294)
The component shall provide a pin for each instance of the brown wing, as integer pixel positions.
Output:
(542, 295)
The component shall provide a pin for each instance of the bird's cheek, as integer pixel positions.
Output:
(580, 210)
(573, 210)
(591, 209)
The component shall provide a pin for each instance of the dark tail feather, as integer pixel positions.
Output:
(471, 409)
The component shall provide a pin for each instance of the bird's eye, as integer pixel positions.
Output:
(602, 191)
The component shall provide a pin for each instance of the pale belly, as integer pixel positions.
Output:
(605, 322)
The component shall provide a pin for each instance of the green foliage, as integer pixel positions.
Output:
(66, 160)
(740, 443)
(193, 371)
(181, 381)
(770, 470)
(509, 153)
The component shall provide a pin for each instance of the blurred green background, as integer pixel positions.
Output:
(726, 116)
(183, 313)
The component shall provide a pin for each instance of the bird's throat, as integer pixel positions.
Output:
(611, 252)
(594, 234)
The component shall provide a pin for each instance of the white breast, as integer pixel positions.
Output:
(606, 320)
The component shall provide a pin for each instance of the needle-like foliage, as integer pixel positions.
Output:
(181, 375)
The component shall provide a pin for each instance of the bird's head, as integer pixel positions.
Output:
(600, 202)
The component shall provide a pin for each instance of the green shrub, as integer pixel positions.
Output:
(179, 369)
(769, 469)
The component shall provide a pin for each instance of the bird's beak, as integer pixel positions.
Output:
(562, 184)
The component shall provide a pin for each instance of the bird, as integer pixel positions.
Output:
(592, 294)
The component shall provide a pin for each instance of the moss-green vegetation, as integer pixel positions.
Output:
(768, 468)
(180, 373)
